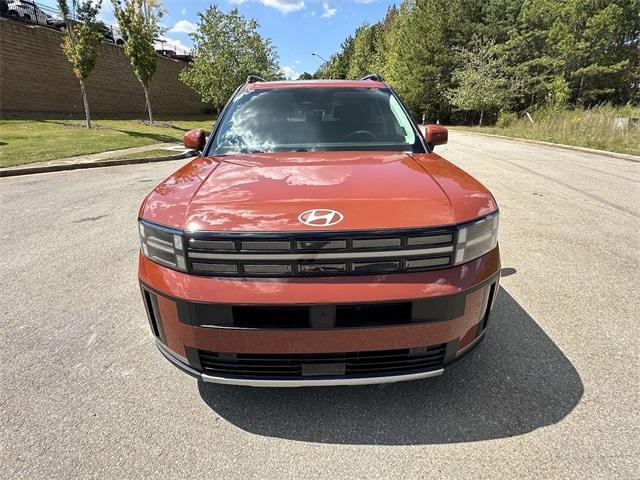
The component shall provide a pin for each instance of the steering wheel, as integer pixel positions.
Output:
(367, 133)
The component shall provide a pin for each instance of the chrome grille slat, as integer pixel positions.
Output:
(306, 254)
(322, 256)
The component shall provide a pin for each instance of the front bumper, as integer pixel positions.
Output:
(180, 316)
(182, 364)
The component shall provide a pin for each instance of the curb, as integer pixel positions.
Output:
(17, 171)
(606, 153)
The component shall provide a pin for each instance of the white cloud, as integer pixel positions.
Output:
(297, 62)
(184, 10)
(184, 26)
(365, 1)
(328, 12)
(284, 6)
(290, 72)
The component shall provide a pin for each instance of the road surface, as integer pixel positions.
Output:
(552, 393)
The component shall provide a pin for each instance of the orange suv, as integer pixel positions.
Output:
(317, 240)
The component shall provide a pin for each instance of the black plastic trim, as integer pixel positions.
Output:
(153, 314)
(323, 316)
(373, 76)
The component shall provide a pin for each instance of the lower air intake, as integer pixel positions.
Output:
(336, 365)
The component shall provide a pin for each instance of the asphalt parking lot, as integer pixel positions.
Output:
(553, 392)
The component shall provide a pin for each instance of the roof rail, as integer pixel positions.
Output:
(254, 79)
(373, 76)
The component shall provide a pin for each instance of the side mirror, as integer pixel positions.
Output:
(436, 134)
(194, 139)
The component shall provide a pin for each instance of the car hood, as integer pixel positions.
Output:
(269, 192)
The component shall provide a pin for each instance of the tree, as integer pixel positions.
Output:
(80, 39)
(139, 22)
(592, 45)
(338, 65)
(305, 76)
(481, 82)
(227, 48)
(363, 52)
(552, 52)
(421, 52)
(385, 33)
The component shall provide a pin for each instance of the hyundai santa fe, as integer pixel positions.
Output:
(317, 239)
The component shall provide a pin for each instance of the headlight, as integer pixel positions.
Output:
(477, 238)
(162, 245)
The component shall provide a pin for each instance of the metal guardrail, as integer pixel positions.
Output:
(46, 16)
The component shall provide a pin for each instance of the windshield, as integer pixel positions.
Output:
(312, 119)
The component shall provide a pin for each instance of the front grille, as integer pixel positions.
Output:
(345, 365)
(303, 254)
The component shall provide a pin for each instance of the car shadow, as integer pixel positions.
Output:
(518, 380)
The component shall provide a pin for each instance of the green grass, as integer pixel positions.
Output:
(37, 140)
(583, 128)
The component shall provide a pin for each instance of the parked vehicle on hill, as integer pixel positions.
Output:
(173, 54)
(165, 52)
(318, 240)
(117, 37)
(27, 10)
(111, 34)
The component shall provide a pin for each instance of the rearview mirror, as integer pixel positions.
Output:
(436, 134)
(194, 139)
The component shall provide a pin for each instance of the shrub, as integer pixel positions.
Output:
(506, 119)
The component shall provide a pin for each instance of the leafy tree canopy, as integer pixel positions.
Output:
(228, 48)
(559, 52)
(480, 81)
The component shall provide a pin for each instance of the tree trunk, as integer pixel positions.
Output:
(146, 97)
(481, 116)
(578, 97)
(85, 100)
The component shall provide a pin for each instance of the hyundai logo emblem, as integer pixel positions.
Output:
(320, 217)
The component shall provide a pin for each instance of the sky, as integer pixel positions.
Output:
(296, 27)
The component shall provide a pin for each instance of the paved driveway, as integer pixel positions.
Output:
(552, 393)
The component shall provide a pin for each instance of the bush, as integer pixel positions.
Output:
(506, 119)
(593, 128)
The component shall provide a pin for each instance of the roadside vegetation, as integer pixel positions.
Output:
(591, 128)
(474, 61)
(36, 140)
